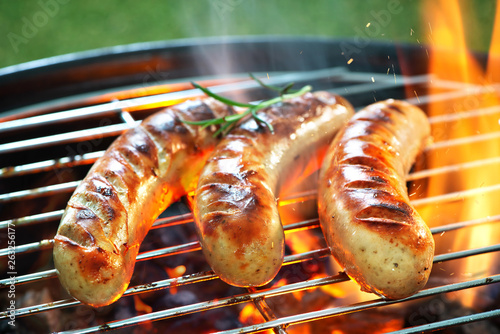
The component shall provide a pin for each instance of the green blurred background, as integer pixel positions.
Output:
(34, 29)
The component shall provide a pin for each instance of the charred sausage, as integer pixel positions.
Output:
(235, 205)
(109, 214)
(369, 224)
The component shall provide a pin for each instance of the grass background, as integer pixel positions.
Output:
(34, 29)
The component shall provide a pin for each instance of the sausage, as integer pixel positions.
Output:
(235, 205)
(143, 171)
(370, 226)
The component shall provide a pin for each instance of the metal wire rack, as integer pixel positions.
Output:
(352, 85)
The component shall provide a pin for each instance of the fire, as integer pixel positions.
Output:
(251, 315)
(141, 307)
(176, 272)
(457, 119)
(173, 273)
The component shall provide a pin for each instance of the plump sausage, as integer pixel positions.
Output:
(369, 224)
(107, 217)
(235, 205)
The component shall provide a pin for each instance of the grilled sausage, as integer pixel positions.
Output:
(109, 214)
(369, 224)
(235, 205)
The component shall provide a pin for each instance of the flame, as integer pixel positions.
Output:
(452, 62)
(141, 307)
(174, 273)
(250, 315)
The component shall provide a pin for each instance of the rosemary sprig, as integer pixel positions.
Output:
(228, 122)
(281, 90)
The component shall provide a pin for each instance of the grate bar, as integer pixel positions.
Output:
(4, 283)
(455, 196)
(37, 192)
(28, 248)
(468, 223)
(127, 118)
(460, 116)
(266, 312)
(60, 117)
(422, 174)
(48, 165)
(173, 220)
(461, 90)
(34, 219)
(65, 138)
(444, 324)
(167, 251)
(386, 83)
(465, 253)
(463, 141)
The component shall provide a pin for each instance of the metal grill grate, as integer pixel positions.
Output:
(358, 87)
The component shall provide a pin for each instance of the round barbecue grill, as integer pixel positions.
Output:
(58, 115)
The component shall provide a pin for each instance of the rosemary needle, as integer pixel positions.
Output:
(228, 122)
(281, 90)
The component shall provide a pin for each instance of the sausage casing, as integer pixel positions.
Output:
(235, 205)
(369, 224)
(109, 214)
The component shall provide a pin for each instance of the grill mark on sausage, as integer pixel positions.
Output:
(85, 214)
(398, 213)
(395, 108)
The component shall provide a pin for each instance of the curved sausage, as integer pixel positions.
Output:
(109, 214)
(235, 205)
(369, 224)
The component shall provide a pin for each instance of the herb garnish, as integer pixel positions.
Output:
(228, 122)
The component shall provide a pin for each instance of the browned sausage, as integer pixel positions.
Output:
(109, 214)
(235, 205)
(370, 226)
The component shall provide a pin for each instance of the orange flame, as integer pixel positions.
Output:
(173, 273)
(141, 307)
(250, 315)
(451, 63)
